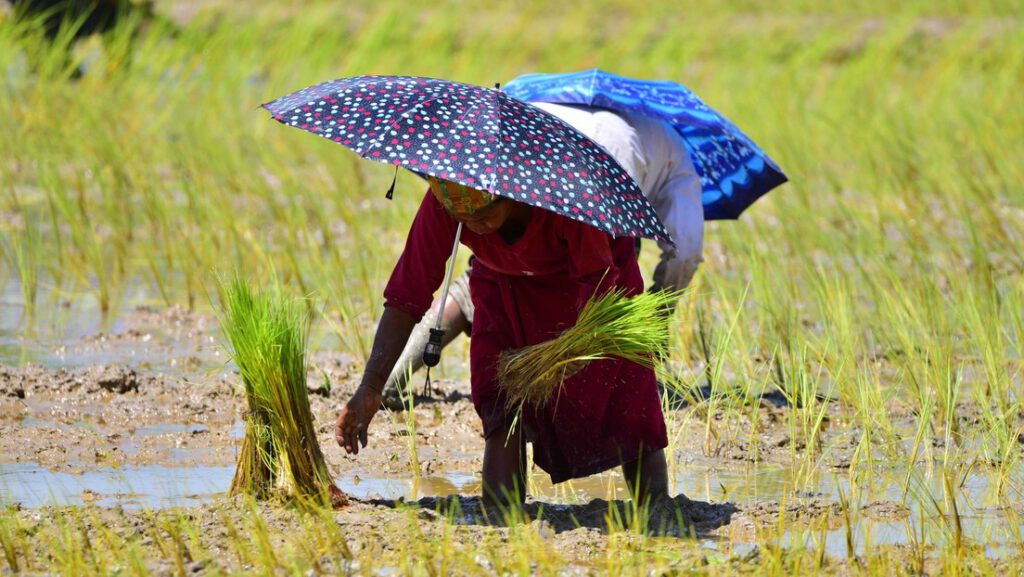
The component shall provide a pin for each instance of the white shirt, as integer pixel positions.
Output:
(654, 154)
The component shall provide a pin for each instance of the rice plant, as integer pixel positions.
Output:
(26, 248)
(887, 272)
(613, 325)
(280, 455)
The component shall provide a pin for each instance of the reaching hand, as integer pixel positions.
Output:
(392, 334)
(355, 419)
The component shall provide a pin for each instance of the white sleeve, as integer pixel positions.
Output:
(684, 219)
(679, 204)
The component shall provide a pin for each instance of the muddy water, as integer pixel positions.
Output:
(143, 413)
(75, 334)
(142, 333)
(152, 486)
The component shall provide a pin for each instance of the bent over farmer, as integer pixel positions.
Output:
(533, 272)
(655, 156)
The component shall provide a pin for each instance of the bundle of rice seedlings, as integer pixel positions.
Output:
(614, 325)
(280, 456)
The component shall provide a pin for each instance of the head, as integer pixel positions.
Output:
(481, 211)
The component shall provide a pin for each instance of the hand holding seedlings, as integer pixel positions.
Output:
(613, 325)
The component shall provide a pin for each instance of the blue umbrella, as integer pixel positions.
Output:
(733, 170)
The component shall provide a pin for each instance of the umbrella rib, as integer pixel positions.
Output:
(497, 138)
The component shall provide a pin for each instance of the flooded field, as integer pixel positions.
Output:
(845, 387)
(140, 420)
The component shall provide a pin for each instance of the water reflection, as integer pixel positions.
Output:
(152, 486)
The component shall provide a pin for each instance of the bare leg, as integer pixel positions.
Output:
(454, 322)
(647, 477)
(504, 471)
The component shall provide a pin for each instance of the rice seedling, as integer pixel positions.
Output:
(887, 273)
(95, 257)
(350, 325)
(11, 542)
(408, 417)
(845, 505)
(280, 455)
(26, 251)
(613, 325)
(715, 347)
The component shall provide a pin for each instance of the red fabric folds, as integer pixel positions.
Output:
(528, 292)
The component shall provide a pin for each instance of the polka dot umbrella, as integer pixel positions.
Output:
(479, 137)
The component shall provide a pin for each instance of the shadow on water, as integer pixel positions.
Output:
(598, 502)
(564, 507)
(677, 399)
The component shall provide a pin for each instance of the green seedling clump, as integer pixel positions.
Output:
(613, 325)
(280, 456)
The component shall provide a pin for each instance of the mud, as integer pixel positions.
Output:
(164, 398)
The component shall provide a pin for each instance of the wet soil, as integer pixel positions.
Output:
(173, 401)
(374, 533)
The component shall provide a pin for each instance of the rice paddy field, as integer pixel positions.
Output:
(845, 383)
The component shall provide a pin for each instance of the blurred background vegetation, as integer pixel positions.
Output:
(141, 163)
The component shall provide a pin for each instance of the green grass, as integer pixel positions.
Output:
(246, 538)
(882, 285)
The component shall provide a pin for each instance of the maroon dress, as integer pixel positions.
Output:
(528, 292)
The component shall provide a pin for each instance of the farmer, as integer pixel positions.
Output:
(653, 153)
(533, 272)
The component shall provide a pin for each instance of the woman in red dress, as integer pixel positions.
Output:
(533, 272)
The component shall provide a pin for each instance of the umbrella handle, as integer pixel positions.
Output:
(432, 352)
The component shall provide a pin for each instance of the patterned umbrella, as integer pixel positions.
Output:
(479, 137)
(733, 170)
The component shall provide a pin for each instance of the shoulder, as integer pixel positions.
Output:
(430, 207)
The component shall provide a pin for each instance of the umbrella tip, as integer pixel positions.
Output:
(497, 86)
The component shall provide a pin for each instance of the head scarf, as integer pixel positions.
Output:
(458, 198)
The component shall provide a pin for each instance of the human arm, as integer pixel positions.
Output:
(680, 208)
(392, 333)
(674, 189)
(417, 275)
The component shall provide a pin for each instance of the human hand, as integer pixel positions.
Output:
(354, 420)
(571, 368)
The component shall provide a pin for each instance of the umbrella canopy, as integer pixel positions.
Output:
(733, 170)
(479, 137)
